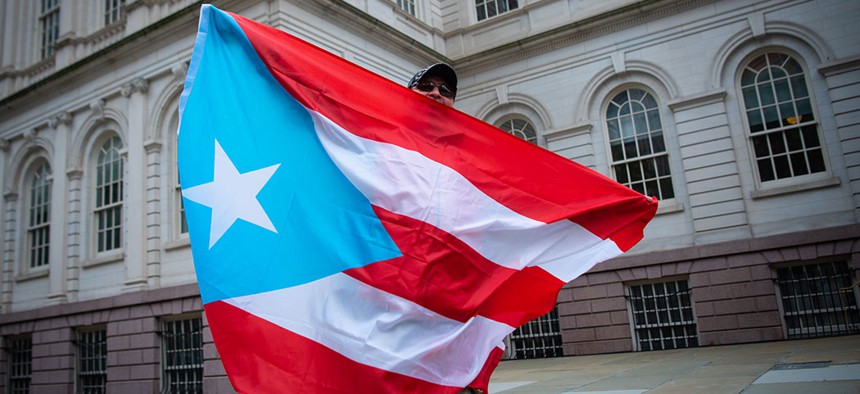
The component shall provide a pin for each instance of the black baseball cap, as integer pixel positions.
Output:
(442, 70)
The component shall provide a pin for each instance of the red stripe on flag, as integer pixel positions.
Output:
(548, 189)
(483, 379)
(443, 274)
(259, 357)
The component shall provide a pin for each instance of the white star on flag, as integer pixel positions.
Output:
(232, 196)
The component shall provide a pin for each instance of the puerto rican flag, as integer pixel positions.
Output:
(352, 236)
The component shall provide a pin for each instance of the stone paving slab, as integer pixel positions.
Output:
(748, 369)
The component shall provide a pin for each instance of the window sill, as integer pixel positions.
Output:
(101, 260)
(179, 243)
(669, 206)
(776, 191)
(43, 273)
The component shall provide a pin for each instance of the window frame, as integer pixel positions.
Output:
(95, 209)
(27, 350)
(165, 333)
(113, 11)
(80, 353)
(607, 138)
(48, 22)
(410, 7)
(517, 117)
(478, 4)
(179, 228)
(631, 312)
(27, 215)
(796, 180)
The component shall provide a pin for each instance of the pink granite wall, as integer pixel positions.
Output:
(133, 343)
(732, 289)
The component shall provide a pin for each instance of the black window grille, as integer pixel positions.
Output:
(183, 356)
(539, 338)
(663, 316)
(92, 361)
(818, 300)
(19, 356)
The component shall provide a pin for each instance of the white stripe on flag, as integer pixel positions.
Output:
(410, 184)
(376, 328)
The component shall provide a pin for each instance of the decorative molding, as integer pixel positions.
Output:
(30, 136)
(619, 62)
(101, 260)
(698, 100)
(4, 144)
(75, 174)
(152, 146)
(635, 14)
(180, 70)
(97, 106)
(23, 277)
(10, 196)
(555, 135)
(502, 94)
(138, 85)
(839, 66)
(62, 118)
(756, 21)
(776, 191)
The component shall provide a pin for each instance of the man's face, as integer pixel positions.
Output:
(432, 88)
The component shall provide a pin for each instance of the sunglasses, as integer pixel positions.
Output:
(427, 87)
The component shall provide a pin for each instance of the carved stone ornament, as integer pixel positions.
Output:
(98, 108)
(137, 85)
(63, 117)
(29, 136)
(180, 70)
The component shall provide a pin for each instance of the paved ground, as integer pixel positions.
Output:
(824, 365)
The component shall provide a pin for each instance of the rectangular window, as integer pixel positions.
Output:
(183, 355)
(49, 26)
(113, 10)
(539, 338)
(92, 361)
(19, 358)
(818, 300)
(490, 8)
(407, 5)
(662, 316)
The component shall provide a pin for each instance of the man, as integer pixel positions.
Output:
(437, 82)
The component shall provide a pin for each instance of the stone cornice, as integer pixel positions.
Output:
(569, 34)
(839, 65)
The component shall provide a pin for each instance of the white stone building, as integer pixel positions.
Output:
(742, 116)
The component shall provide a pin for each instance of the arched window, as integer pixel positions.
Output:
(108, 196)
(521, 128)
(181, 224)
(783, 128)
(38, 219)
(639, 157)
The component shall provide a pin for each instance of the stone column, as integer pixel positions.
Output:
(61, 125)
(135, 181)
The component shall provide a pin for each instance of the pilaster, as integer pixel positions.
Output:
(134, 199)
